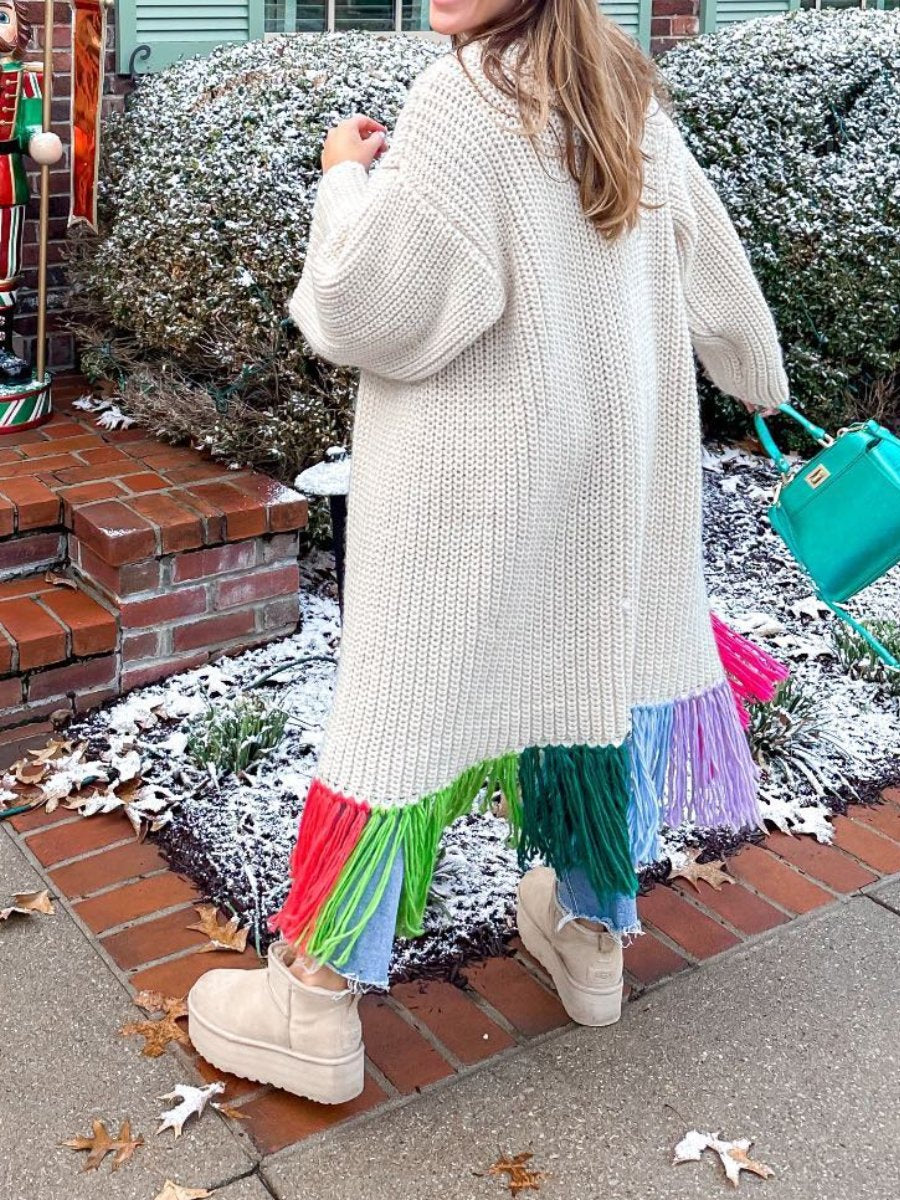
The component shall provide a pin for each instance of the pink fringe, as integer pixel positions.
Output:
(752, 673)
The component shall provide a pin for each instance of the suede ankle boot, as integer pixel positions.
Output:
(269, 1026)
(584, 962)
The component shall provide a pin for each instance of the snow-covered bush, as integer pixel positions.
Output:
(795, 119)
(207, 190)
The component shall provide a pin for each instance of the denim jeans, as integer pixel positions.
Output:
(370, 958)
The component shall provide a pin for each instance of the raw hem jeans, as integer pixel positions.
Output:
(367, 966)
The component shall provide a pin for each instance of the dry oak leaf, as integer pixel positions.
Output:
(26, 903)
(157, 1002)
(228, 1110)
(28, 772)
(157, 1035)
(192, 1101)
(174, 1191)
(55, 748)
(99, 1144)
(687, 868)
(732, 1155)
(60, 580)
(221, 937)
(519, 1177)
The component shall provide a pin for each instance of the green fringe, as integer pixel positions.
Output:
(565, 804)
(422, 840)
(414, 831)
(575, 813)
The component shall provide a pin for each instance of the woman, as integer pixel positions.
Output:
(521, 282)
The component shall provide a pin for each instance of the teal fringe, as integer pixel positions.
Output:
(574, 813)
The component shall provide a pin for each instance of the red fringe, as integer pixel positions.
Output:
(330, 827)
(752, 673)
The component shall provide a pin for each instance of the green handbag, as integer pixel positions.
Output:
(839, 513)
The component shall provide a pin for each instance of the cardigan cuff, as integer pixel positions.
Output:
(342, 190)
(765, 380)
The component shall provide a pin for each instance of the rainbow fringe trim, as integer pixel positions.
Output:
(594, 807)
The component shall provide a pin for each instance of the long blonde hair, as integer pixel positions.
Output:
(579, 62)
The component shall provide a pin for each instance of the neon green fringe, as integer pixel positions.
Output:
(415, 831)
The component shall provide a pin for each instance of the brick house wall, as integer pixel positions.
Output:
(672, 21)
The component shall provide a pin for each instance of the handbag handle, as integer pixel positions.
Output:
(771, 447)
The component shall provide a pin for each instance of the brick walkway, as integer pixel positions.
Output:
(422, 1034)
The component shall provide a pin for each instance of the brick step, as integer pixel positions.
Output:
(44, 624)
(31, 532)
(177, 560)
(124, 495)
(59, 654)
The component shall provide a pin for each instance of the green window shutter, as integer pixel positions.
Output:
(632, 15)
(716, 14)
(151, 34)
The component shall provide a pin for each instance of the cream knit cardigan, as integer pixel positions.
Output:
(524, 541)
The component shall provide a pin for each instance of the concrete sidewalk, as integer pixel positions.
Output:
(791, 1040)
(794, 1041)
(63, 1063)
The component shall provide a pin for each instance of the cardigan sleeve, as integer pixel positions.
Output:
(732, 329)
(395, 282)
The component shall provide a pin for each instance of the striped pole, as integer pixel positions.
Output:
(24, 405)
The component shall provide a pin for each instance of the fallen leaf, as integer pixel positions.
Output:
(688, 868)
(26, 903)
(228, 1110)
(192, 1101)
(519, 1177)
(99, 1144)
(95, 804)
(174, 1191)
(221, 937)
(732, 1155)
(29, 772)
(54, 749)
(809, 607)
(157, 1002)
(149, 808)
(759, 623)
(60, 580)
(69, 774)
(791, 817)
(157, 1035)
(60, 717)
(10, 799)
(127, 767)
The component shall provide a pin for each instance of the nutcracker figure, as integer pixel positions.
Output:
(21, 132)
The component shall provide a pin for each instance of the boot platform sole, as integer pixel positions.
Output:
(586, 1006)
(327, 1081)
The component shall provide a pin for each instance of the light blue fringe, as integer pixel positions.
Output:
(651, 733)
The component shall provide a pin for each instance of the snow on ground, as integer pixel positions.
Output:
(234, 835)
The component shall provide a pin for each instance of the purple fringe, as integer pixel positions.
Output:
(710, 777)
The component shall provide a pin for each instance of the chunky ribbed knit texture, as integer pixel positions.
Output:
(524, 561)
(523, 551)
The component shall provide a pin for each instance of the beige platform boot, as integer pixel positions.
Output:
(268, 1026)
(584, 963)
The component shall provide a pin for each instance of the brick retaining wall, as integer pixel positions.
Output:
(123, 560)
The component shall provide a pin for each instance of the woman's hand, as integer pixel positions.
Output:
(358, 139)
(763, 412)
